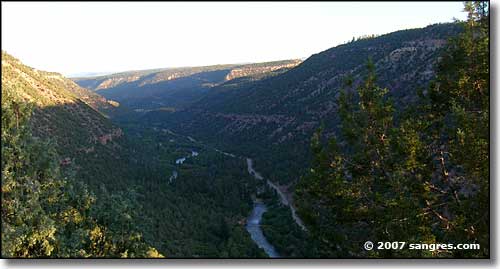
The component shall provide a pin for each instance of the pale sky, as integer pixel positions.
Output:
(73, 38)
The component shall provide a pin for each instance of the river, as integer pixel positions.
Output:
(180, 161)
(283, 197)
(255, 230)
(253, 222)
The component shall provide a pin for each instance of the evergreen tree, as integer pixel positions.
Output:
(45, 213)
(363, 187)
(457, 112)
(422, 179)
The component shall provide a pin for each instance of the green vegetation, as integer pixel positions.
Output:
(175, 87)
(64, 112)
(399, 147)
(279, 228)
(47, 213)
(272, 119)
(201, 212)
(97, 191)
(421, 179)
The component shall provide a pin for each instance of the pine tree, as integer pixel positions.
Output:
(27, 230)
(46, 213)
(458, 134)
(363, 188)
(423, 178)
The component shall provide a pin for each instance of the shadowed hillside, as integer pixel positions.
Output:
(69, 115)
(175, 87)
(52, 143)
(272, 119)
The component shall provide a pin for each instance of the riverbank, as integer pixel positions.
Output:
(255, 230)
(283, 197)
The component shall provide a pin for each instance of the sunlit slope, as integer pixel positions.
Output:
(67, 114)
(176, 87)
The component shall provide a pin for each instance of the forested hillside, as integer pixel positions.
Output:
(47, 210)
(272, 119)
(383, 139)
(420, 174)
(173, 88)
(76, 185)
(71, 117)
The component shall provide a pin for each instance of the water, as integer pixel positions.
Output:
(281, 194)
(174, 175)
(253, 227)
(253, 222)
(180, 160)
(183, 159)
